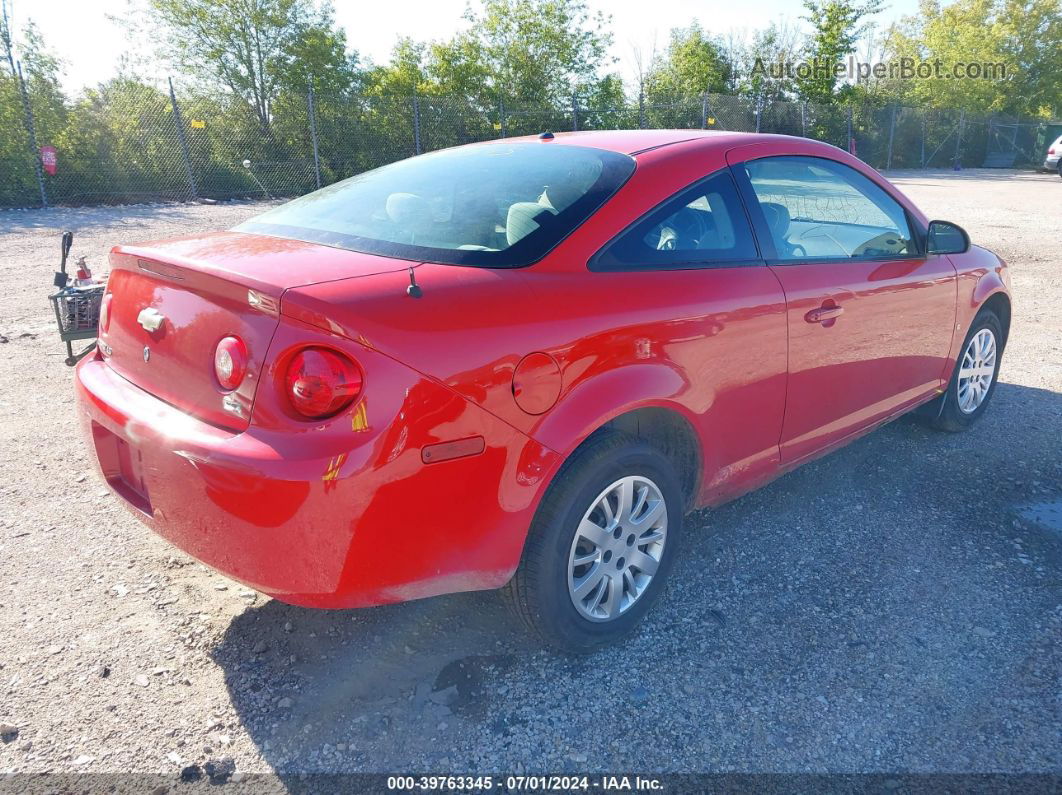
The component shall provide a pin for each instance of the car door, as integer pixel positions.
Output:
(686, 284)
(869, 314)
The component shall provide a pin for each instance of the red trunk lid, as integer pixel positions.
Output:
(207, 288)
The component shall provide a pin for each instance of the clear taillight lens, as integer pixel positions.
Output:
(230, 362)
(322, 382)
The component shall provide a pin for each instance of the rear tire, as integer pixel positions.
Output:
(601, 544)
(968, 396)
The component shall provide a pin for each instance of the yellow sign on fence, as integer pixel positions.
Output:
(198, 125)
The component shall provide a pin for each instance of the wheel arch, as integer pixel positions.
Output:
(667, 429)
(999, 304)
(670, 432)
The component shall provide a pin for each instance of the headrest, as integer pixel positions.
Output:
(408, 210)
(777, 216)
(522, 220)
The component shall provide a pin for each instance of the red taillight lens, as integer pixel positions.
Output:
(1051, 151)
(105, 313)
(322, 382)
(230, 362)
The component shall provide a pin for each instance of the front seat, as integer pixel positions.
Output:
(778, 220)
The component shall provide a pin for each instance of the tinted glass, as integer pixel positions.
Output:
(704, 225)
(820, 209)
(495, 205)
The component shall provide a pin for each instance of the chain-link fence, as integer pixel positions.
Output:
(131, 142)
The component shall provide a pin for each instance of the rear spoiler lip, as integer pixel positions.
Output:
(179, 268)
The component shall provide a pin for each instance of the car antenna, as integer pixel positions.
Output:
(413, 291)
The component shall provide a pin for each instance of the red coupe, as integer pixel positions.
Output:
(520, 363)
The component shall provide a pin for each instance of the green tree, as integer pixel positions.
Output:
(524, 51)
(1032, 45)
(759, 65)
(40, 72)
(1024, 36)
(693, 64)
(838, 25)
(256, 48)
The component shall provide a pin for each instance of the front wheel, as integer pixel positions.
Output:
(974, 380)
(601, 545)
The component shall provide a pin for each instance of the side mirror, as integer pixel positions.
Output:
(947, 238)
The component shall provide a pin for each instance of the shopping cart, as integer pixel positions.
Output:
(77, 306)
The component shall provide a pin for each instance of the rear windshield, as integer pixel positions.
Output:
(493, 205)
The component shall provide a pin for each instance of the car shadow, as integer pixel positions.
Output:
(825, 621)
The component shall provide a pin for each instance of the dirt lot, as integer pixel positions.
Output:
(894, 607)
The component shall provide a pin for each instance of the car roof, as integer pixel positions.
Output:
(631, 142)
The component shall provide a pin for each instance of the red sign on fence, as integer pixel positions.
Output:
(49, 159)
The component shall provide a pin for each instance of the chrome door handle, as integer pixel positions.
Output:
(823, 314)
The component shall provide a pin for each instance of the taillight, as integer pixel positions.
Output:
(230, 362)
(1051, 151)
(105, 313)
(322, 382)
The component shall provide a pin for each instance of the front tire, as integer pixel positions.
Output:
(974, 380)
(601, 544)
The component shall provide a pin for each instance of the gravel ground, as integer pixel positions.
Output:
(893, 607)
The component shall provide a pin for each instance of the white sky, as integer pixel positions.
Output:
(90, 44)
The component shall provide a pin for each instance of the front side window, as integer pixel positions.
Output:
(704, 225)
(816, 208)
(492, 205)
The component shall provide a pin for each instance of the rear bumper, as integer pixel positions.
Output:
(1051, 162)
(341, 516)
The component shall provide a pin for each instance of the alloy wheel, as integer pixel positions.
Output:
(617, 548)
(976, 371)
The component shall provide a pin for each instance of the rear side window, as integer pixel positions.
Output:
(492, 205)
(703, 226)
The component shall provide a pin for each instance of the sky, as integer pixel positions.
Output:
(90, 43)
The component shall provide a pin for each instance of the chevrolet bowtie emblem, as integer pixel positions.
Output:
(150, 319)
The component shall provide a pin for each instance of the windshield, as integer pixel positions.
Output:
(494, 205)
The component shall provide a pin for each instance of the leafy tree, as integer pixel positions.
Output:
(519, 51)
(1024, 36)
(1032, 44)
(758, 65)
(838, 25)
(256, 48)
(693, 64)
(40, 73)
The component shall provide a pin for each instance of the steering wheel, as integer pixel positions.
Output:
(683, 230)
(885, 243)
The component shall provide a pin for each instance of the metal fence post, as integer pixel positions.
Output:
(183, 140)
(892, 133)
(704, 111)
(641, 110)
(501, 117)
(922, 154)
(312, 108)
(575, 113)
(804, 119)
(416, 124)
(758, 117)
(32, 131)
(956, 164)
(849, 144)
